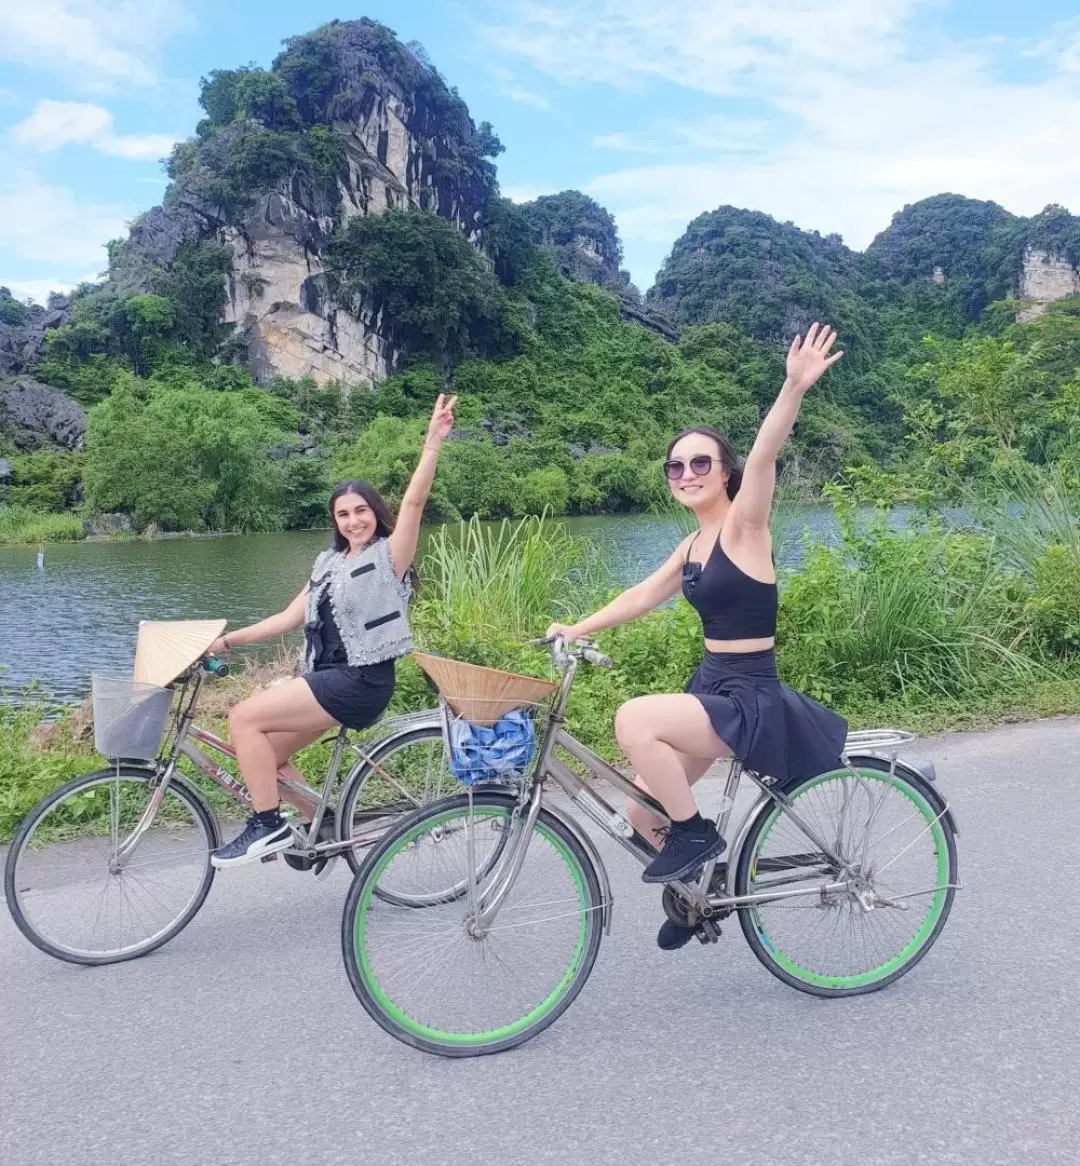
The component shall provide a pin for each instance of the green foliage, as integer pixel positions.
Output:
(11, 310)
(437, 296)
(186, 458)
(972, 244)
(563, 221)
(907, 616)
(487, 589)
(19, 524)
(230, 95)
(46, 481)
(27, 772)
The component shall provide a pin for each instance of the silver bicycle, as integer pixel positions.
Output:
(475, 922)
(115, 863)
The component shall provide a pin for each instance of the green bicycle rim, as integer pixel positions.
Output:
(914, 945)
(514, 1028)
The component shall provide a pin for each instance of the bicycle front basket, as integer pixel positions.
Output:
(129, 717)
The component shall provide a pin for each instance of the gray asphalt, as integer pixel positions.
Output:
(241, 1041)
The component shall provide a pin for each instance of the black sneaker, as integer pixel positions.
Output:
(672, 936)
(683, 853)
(256, 841)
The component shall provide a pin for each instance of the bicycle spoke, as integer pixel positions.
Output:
(76, 902)
(427, 960)
(894, 852)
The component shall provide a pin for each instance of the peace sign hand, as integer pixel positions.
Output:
(442, 420)
(809, 359)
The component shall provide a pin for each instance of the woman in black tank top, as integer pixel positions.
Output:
(734, 704)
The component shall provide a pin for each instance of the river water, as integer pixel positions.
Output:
(80, 612)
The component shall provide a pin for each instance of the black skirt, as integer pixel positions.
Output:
(770, 728)
(354, 695)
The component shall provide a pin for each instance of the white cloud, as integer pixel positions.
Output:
(49, 224)
(54, 124)
(630, 142)
(863, 108)
(508, 86)
(527, 97)
(99, 44)
(525, 192)
(38, 290)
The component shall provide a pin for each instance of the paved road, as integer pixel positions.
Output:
(241, 1041)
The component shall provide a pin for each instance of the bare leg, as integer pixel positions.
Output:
(285, 746)
(286, 709)
(659, 734)
(645, 822)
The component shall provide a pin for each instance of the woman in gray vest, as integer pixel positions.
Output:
(354, 612)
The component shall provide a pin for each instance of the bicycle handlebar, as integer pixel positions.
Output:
(561, 650)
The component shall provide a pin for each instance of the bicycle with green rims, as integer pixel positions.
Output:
(841, 882)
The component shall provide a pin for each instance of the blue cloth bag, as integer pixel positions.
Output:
(498, 753)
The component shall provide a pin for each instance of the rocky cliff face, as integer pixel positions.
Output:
(40, 418)
(21, 344)
(404, 141)
(1044, 278)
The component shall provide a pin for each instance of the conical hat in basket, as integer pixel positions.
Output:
(482, 695)
(166, 647)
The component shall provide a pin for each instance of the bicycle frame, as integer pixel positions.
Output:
(187, 738)
(699, 895)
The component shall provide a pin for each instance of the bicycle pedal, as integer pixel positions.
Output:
(269, 858)
(707, 931)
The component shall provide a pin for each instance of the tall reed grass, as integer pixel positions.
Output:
(19, 524)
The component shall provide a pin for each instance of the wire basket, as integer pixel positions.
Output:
(129, 717)
(493, 734)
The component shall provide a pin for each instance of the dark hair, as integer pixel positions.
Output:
(384, 521)
(728, 458)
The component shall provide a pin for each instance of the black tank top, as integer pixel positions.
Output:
(732, 606)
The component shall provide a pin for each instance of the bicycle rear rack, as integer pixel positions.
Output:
(877, 738)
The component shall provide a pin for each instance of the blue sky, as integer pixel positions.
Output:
(830, 113)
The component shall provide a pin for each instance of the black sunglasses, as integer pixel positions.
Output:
(700, 465)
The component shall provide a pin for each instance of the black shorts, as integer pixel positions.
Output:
(354, 695)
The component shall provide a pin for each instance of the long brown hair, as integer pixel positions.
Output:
(384, 520)
(728, 458)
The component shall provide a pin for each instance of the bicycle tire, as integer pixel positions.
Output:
(358, 778)
(420, 1036)
(929, 804)
(200, 811)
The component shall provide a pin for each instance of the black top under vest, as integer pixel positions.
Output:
(329, 648)
(732, 605)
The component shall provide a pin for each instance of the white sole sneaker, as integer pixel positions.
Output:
(281, 839)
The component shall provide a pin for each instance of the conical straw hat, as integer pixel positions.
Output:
(482, 695)
(166, 647)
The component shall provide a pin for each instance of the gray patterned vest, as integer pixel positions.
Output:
(369, 603)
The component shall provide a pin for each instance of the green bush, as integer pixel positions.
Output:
(27, 772)
(18, 524)
(1054, 604)
(47, 481)
(188, 458)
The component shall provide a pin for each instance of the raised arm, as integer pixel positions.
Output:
(407, 528)
(661, 585)
(266, 629)
(807, 362)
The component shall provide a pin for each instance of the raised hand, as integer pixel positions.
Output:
(442, 419)
(809, 359)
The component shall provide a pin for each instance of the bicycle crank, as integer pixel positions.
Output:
(706, 927)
